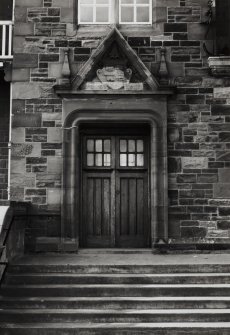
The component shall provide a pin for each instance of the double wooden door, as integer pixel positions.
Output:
(115, 201)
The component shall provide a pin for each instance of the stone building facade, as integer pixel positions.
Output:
(55, 83)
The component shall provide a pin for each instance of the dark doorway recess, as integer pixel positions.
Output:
(115, 187)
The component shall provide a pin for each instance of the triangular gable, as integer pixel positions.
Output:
(91, 64)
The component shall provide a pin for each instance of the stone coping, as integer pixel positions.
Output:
(102, 257)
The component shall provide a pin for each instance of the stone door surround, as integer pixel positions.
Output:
(146, 108)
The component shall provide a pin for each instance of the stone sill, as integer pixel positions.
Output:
(98, 30)
(219, 66)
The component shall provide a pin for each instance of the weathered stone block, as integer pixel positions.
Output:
(220, 109)
(189, 81)
(36, 160)
(49, 57)
(19, 44)
(224, 211)
(207, 178)
(20, 14)
(174, 164)
(18, 106)
(139, 41)
(63, 4)
(18, 135)
(223, 155)
(224, 136)
(191, 193)
(37, 192)
(186, 178)
(53, 196)
(22, 179)
(23, 29)
(21, 75)
(18, 164)
(26, 91)
(221, 92)
(29, 3)
(196, 31)
(54, 165)
(67, 15)
(180, 58)
(51, 116)
(224, 175)
(54, 134)
(165, 3)
(194, 162)
(221, 190)
(179, 10)
(193, 232)
(17, 194)
(223, 224)
(175, 27)
(195, 99)
(133, 86)
(26, 149)
(26, 120)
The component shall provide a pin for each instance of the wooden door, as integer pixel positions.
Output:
(115, 202)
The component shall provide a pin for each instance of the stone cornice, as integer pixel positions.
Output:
(219, 66)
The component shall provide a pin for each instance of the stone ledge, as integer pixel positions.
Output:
(192, 247)
(219, 66)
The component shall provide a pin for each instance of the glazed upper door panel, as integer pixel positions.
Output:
(115, 204)
(132, 217)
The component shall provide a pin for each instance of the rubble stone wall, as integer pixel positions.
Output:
(198, 115)
(4, 135)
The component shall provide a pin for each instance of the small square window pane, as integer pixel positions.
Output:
(102, 2)
(131, 145)
(127, 2)
(131, 158)
(90, 159)
(107, 159)
(140, 159)
(98, 159)
(107, 146)
(123, 160)
(98, 145)
(142, 14)
(90, 145)
(140, 145)
(102, 14)
(144, 2)
(86, 14)
(127, 14)
(123, 145)
(87, 2)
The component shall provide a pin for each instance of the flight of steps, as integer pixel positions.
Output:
(115, 299)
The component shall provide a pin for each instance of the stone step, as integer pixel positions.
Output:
(58, 278)
(191, 328)
(119, 269)
(114, 302)
(121, 290)
(114, 316)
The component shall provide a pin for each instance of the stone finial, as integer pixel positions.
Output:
(66, 67)
(162, 72)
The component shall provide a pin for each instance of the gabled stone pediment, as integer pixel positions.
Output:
(114, 66)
